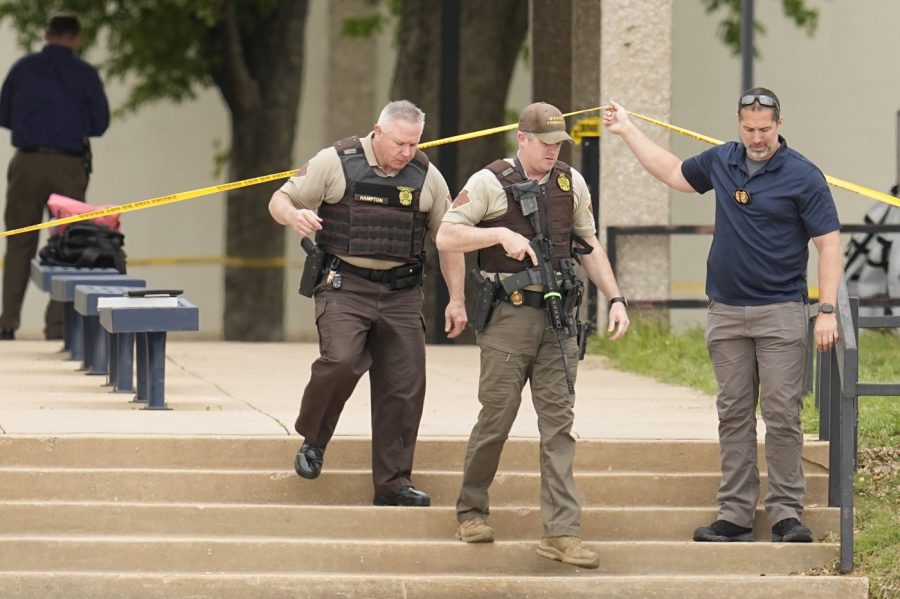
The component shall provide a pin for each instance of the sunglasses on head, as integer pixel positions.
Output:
(764, 100)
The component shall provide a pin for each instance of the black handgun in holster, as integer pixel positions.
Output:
(483, 300)
(312, 267)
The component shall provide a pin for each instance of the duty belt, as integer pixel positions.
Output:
(372, 274)
(49, 150)
(523, 297)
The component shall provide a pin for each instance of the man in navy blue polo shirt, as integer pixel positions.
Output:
(52, 101)
(770, 201)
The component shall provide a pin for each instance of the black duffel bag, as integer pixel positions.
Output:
(85, 245)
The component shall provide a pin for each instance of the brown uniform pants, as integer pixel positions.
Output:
(364, 326)
(759, 354)
(517, 347)
(31, 179)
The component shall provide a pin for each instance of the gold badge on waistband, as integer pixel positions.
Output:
(742, 196)
(516, 298)
(563, 181)
(406, 195)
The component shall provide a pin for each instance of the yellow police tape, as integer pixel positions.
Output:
(834, 181)
(196, 193)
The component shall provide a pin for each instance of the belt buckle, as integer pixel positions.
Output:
(516, 298)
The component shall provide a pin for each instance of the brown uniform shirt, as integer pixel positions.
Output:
(322, 180)
(483, 198)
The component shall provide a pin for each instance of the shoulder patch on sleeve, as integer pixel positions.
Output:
(461, 200)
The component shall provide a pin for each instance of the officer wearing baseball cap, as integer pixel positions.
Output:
(519, 343)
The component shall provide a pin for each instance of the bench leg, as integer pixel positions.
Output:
(141, 366)
(76, 341)
(156, 375)
(99, 356)
(68, 323)
(124, 363)
(112, 360)
(87, 342)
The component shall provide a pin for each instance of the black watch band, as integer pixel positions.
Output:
(620, 298)
(826, 308)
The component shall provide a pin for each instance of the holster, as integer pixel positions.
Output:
(582, 329)
(483, 300)
(312, 267)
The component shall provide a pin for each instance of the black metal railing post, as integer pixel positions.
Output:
(848, 427)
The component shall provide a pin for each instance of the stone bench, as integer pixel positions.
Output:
(96, 340)
(144, 320)
(62, 289)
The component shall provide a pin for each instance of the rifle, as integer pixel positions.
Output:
(526, 195)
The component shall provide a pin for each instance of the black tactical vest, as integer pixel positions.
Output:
(378, 217)
(560, 199)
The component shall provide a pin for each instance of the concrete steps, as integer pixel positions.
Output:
(227, 517)
(345, 522)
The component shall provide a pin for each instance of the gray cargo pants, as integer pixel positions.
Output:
(759, 353)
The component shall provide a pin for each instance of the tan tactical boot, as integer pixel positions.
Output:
(475, 530)
(568, 550)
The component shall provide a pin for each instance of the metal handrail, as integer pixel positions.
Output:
(837, 395)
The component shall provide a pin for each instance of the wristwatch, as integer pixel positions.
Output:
(621, 298)
(826, 309)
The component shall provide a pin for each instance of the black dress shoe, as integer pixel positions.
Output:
(405, 496)
(7, 334)
(308, 462)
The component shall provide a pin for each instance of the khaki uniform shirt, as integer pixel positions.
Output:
(483, 198)
(322, 180)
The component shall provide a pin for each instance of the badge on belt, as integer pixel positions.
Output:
(516, 298)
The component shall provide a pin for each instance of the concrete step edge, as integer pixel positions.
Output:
(348, 522)
(355, 488)
(193, 451)
(99, 585)
(204, 555)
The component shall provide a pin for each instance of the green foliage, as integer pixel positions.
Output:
(375, 22)
(652, 348)
(729, 32)
(162, 48)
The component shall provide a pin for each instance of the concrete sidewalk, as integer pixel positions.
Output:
(221, 388)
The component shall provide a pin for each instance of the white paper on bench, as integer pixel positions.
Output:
(136, 302)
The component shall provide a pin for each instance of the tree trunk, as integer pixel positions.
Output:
(259, 76)
(487, 60)
(553, 59)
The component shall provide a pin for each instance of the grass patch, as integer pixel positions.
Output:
(651, 348)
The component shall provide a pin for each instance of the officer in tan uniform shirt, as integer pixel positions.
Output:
(369, 202)
(517, 345)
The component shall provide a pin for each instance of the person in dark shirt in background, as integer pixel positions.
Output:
(51, 101)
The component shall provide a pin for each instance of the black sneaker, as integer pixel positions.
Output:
(723, 531)
(7, 334)
(790, 530)
(308, 462)
(407, 496)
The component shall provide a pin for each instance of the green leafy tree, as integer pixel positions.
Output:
(253, 53)
(805, 18)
